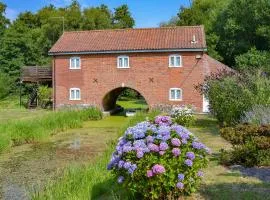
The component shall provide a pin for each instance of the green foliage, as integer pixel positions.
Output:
(253, 60)
(5, 82)
(44, 96)
(251, 145)
(183, 115)
(231, 94)
(122, 17)
(25, 131)
(3, 20)
(258, 114)
(243, 25)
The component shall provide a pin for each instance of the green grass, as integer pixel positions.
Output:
(29, 130)
(95, 182)
(132, 103)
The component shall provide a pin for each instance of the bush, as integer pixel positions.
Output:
(232, 94)
(183, 115)
(159, 160)
(4, 85)
(258, 114)
(251, 145)
(45, 96)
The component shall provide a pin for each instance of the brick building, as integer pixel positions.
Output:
(162, 64)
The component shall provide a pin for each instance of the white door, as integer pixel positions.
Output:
(205, 104)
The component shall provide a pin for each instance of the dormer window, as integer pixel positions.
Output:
(75, 63)
(123, 62)
(175, 61)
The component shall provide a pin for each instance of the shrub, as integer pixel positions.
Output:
(231, 94)
(250, 145)
(158, 159)
(183, 115)
(258, 114)
(5, 82)
(45, 96)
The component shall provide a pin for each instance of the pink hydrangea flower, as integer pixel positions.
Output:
(149, 173)
(158, 169)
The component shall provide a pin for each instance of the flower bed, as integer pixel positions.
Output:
(159, 159)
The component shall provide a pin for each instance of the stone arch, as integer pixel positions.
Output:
(110, 98)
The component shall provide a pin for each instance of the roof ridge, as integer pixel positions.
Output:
(129, 29)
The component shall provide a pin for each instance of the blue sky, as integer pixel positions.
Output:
(147, 13)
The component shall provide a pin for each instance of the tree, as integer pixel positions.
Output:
(172, 22)
(122, 17)
(96, 18)
(3, 20)
(253, 60)
(243, 25)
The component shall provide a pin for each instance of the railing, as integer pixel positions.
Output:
(36, 74)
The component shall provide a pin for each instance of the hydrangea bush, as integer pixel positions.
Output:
(183, 115)
(159, 159)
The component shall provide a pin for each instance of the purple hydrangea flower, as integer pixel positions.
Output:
(120, 179)
(190, 155)
(180, 185)
(158, 169)
(153, 147)
(188, 162)
(149, 139)
(175, 142)
(149, 173)
(163, 120)
(200, 173)
(198, 145)
(176, 152)
(163, 146)
(127, 165)
(161, 153)
(181, 177)
(132, 168)
(184, 141)
(121, 164)
(139, 154)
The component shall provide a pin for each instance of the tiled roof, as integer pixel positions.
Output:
(143, 39)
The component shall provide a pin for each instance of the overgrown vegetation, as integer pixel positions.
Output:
(92, 181)
(231, 94)
(30, 130)
(251, 145)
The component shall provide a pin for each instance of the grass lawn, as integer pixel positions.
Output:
(135, 104)
(95, 182)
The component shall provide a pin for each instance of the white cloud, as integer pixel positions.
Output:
(11, 13)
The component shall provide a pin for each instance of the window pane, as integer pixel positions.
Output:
(172, 94)
(125, 62)
(177, 60)
(77, 94)
(72, 95)
(178, 94)
(120, 62)
(77, 63)
(172, 61)
(72, 63)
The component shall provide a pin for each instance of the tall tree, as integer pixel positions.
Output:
(3, 20)
(243, 25)
(122, 17)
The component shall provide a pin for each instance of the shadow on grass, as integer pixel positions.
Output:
(204, 123)
(235, 191)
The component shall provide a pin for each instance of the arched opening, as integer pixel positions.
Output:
(123, 98)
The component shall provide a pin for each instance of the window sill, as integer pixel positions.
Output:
(74, 99)
(123, 67)
(74, 68)
(176, 99)
(175, 66)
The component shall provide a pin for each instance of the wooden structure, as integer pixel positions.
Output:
(36, 75)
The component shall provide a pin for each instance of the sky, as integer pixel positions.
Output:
(147, 13)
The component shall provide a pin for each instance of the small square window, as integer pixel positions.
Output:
(123, 62)
(75, 63)
(175, 61)
(74, 94)
(175, 94)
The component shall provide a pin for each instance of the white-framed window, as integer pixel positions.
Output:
(122, 62)
(74, 94)
(175, 61)
(75, 63)
(175, 94)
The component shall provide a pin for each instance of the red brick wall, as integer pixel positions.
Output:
(143, 66)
